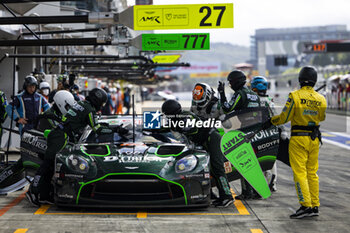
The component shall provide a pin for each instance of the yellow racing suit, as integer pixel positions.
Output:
(305, 108)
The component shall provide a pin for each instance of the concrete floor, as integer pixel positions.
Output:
(256, 216)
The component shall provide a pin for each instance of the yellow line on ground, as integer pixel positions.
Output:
(21, 230)
(239, 205)
(207, 214)
(141, 215)
(42, 209)
(241, 208)
(170, 214)
(256, 230)
(90, 213)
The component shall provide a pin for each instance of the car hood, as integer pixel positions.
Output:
(131, 157)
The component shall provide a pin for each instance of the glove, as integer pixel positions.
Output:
(121, 130)
(221, 87)
(284, 135)
(267, 124)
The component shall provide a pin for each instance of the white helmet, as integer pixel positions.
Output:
(44, 85)
(64, 100)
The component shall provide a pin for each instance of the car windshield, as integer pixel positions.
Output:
(245, 118)
(140, 135)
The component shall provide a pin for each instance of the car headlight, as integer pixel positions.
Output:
(78, 164)
(186, 164)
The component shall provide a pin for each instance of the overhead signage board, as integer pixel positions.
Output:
(337, 47)
(197, 67)
(315, 48)
(185, 41)
(223, 74)
(188, 16)
(166, 58)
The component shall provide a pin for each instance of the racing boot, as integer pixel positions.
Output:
(247, 191)
(213, 196)
(32, 197)
(302, 212)
(224, 202)
(46, 194)
(256, 195)
(314, 211)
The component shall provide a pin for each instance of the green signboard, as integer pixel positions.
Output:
(237, 149)
(184, 41)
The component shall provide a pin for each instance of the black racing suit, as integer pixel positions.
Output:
(210, 139)
(71, 128)
(47, 120)
(243, 98)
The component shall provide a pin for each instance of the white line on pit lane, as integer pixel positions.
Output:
(336, 143)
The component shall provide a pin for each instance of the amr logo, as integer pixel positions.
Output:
(150, 19)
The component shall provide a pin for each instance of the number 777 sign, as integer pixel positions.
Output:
(183, 41)
(191, 16)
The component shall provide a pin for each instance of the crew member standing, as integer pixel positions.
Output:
(259, 85)
(73, 123)
(243, 98)
(305, 108)
(209, 138)
(28, 105)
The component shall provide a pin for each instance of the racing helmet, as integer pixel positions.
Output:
(62, 78)
(259, 84)
(202, 93)
(29, 81)
(75, 87)
(308, 76)
(64, 100)
(98, 98)
(171, 107)
(44, 85)
(237, 79)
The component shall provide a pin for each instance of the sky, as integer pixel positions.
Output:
(250, 15)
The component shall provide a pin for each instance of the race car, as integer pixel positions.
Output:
(145, 168)
(142, 168)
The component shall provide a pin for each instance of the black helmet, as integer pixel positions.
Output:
(236, 79)
(171, 107)
(29, 81)
(106, 89)
(98, 98)
(308, 76)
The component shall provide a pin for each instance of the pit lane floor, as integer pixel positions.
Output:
(271, 215)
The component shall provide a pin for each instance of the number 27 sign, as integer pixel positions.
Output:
(192, 16)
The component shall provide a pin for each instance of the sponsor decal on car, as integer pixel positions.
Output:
(34, 154)
(265, 134)
(66, 195)
(33, 140)
(194, 175)
(199, 196)
(267, 145)
(131, 159)
(73, 176)
(228, 167)
(5, 175)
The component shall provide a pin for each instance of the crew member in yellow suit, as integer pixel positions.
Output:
(305, 108)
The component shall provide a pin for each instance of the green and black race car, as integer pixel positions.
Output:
(143, 168)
